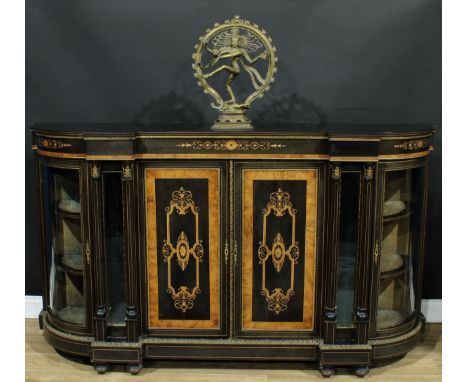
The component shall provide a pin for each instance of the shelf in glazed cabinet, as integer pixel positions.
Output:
(64, 268)
(389, 318)
(400, 216)
(73, 315)
(68, 215)
(398, 271)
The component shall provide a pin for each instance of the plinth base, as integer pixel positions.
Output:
(232, 120)
(105, 353)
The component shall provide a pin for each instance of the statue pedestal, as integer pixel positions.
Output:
(232, 120)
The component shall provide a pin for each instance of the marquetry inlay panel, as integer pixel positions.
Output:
(183, 208)
(279, 248)
(181, 204)
(279, 205)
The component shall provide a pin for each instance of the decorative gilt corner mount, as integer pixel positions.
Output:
(127, 171)
(95, 170)
(336, 172)
(369, 172)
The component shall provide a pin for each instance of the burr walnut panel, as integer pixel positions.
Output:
(279, 248)
(183, 247)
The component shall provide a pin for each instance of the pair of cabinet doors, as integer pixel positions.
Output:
(231, 248)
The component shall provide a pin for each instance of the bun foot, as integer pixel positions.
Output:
(361, 371)
(134, 368)
(101, 368)
(327, 371)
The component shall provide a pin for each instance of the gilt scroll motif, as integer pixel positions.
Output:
(52, 144)
(415, 144)
(181, 204)
(279, 204)
(230, 145)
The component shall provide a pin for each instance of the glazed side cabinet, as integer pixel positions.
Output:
(301, 245)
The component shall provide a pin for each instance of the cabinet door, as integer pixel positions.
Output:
(350, 212)
(277, 219)
(399, 264)
(184, 215)
(112, 270)
(65, 245)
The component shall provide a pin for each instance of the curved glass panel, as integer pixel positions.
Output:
(346, 266)
(62, 210)
(400, 246)
(114, 247)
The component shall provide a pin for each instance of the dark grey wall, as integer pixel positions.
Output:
(339, 61)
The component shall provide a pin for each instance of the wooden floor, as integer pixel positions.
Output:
(43, 363)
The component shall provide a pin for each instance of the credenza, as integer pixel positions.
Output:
(289, 242)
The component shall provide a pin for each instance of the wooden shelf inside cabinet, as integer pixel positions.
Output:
(116, 314)
(61, 265)
(68, 215)
(400, 216)
(73, 314)
(398, 271)
(388, 318)
(67, 269)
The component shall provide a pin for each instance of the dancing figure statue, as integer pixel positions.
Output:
(237, 54)
(237, 45)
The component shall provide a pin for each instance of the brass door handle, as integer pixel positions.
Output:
(88, 253)
(235, 252)
(226, 252)
(376, 252)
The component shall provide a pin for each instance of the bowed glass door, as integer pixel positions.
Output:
(66, 251)
(400, 246)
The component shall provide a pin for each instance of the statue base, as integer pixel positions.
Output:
(232, 120)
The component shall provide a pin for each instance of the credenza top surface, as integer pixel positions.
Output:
(185, 129)
(334, 142)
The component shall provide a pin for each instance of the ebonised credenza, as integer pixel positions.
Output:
(291, 242)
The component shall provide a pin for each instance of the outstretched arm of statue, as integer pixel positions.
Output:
(252, 61)
(214, 58)
(208, 48)
(213, 61)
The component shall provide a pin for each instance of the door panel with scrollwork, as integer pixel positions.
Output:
(184, 248)
(279, 234)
